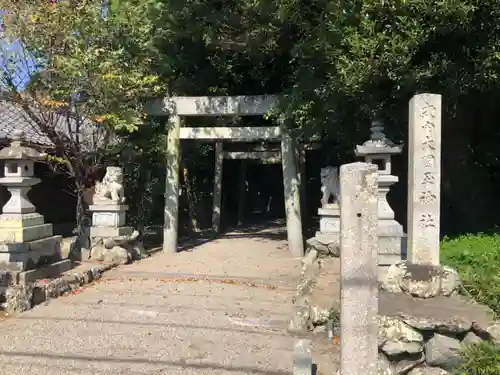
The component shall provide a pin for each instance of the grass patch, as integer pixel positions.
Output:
(476, 257)
(481, 359)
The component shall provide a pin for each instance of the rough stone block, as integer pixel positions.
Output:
(421, 280)
(299, 324)
(396, 337)
(425, 370)
(50, 271)
(443, 351)
(7, 277)
(18, 298)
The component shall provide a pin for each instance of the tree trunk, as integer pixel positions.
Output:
(146, 202)
(143, 196)
(82, 220)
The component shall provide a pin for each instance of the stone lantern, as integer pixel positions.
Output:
(19, 174)
(378, 150)
(25, 239)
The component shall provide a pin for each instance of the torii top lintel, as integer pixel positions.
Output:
(256, 105)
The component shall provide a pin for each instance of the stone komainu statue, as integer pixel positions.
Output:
(110, 189)
(330, 184)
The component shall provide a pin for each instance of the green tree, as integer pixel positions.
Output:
(339, 63)
(87, 73)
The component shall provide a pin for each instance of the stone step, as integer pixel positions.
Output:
(25, 234)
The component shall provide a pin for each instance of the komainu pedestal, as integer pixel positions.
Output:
(26, 241)
(329, 228)
(111, 240)
(327, 240)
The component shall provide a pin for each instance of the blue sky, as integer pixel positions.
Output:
(12, 58)
(11, 55)
(13, 51)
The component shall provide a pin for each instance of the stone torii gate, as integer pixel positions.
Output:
(182, 106)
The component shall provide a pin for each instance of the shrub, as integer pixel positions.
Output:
(476, 257)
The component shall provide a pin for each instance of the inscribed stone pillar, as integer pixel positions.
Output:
(358, 269)
(219, 160)
(292, 195)
(171, 214)
(424, 179)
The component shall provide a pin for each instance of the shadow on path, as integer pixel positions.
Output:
(142, 323)
(274, 230)
(178, 363)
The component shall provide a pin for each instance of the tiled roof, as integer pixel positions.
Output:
(13, 117)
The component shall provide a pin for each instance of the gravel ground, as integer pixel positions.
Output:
(221, 308)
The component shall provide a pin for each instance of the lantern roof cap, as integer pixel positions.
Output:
(17, 151)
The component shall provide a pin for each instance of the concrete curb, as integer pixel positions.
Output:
(20, 298)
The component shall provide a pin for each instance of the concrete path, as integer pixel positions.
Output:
(221, 308)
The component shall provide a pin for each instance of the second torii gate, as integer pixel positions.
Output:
(177, 107)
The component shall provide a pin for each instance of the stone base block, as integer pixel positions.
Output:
(110, 231)
(390, 228)
(382, 273)
(108, 219)
(389, 250)
(108, 207)
(11, 277)
(28, 255)
(50, 271)
(21, 220)
(329, 221)
(25, 234)
(108, 215)
(329, 224)
(332, 209)
(390, 234)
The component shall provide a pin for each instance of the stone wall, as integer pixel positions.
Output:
(316, 301)
(420, 346)
(416, 335)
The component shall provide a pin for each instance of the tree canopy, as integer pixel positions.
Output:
(77, 69)
(337, 63)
